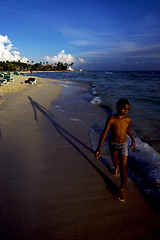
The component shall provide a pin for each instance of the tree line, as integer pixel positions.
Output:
(13, 66)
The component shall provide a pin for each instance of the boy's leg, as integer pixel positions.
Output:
(115, 160)
(123, 171)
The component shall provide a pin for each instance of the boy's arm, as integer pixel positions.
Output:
(132, 138)
(102, 138)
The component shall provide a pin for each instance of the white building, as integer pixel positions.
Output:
(69, 68)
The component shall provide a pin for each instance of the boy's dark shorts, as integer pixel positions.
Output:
(121, 148)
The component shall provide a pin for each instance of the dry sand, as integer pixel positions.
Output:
(51, 186)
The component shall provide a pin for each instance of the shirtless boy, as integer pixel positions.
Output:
(118, 124)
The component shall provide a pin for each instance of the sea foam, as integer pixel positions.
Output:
(96, 100)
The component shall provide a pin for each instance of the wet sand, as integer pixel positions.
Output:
(51, 186)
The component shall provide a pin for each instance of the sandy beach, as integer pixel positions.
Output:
(51, 186)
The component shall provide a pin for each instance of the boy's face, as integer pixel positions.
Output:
(125, 109)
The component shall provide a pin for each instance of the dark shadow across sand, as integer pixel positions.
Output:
(110, 185)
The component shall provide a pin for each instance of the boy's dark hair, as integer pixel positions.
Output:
(121, 102)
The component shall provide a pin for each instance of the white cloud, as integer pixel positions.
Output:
(80, 42)
(7, 52)
(24, 60)
(63, 57)
(81, 60)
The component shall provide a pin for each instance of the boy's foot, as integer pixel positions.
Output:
(115, 171)
(121, 196)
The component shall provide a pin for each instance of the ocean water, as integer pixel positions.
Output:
(92, 106)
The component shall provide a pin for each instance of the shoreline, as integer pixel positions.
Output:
(51, 185)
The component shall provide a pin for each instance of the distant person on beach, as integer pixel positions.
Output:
(31, 72)
(118, 124)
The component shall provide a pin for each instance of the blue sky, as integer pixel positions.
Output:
(95, 35)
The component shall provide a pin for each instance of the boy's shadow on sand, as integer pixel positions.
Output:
(67, 135)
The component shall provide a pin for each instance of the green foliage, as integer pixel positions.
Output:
(13, 66)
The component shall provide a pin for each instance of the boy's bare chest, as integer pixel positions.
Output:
(120, 124)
